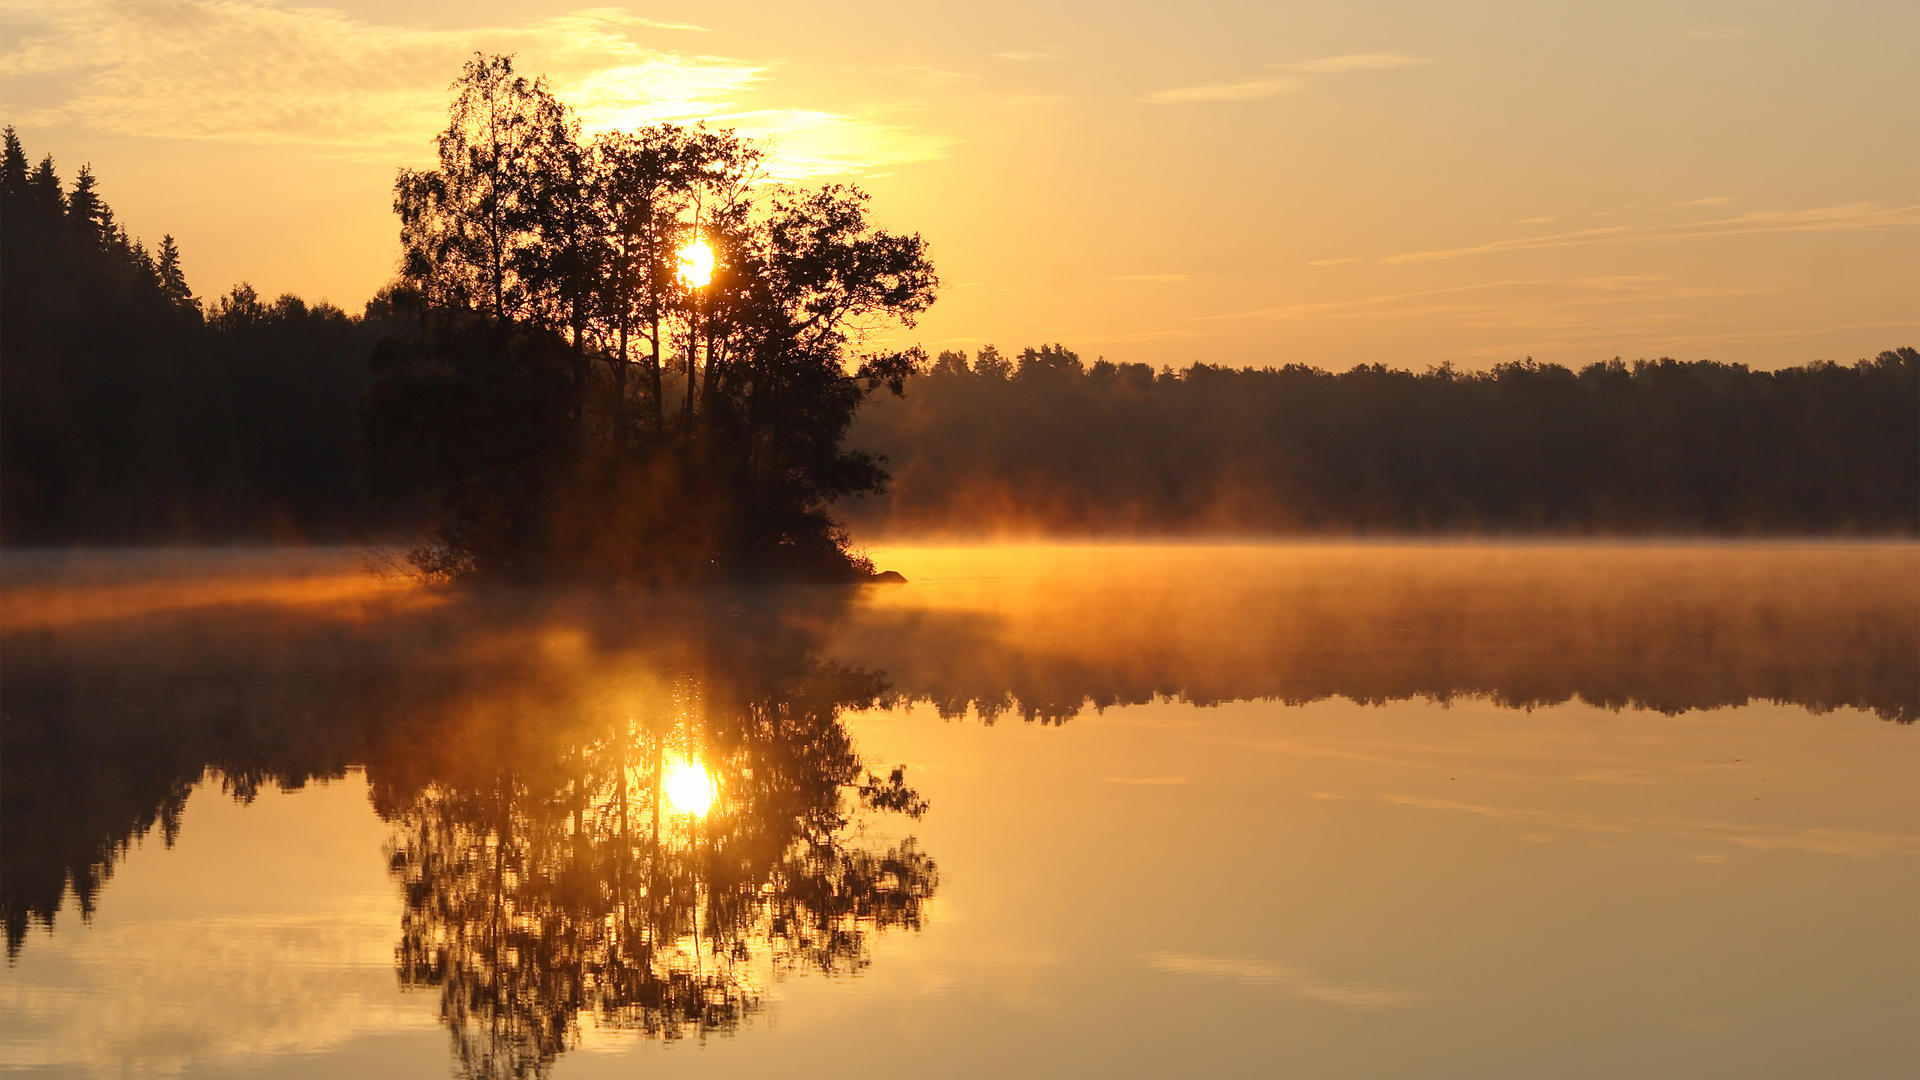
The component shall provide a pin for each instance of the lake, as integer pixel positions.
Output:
(1367, 810)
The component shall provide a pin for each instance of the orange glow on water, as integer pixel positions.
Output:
(688, 786)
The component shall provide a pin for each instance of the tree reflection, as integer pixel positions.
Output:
(548, 878)
(510, 736)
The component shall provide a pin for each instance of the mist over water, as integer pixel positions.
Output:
(1352, 794)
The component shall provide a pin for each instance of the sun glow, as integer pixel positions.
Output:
(696, 264)
(688, 787)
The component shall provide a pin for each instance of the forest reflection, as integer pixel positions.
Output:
(522, 745)
(555, 866)
(596, 871)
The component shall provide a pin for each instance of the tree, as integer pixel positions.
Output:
(86, 210)
(950, 363)
(541, 261)
(657, 184)
(173, 283)
(990, 364)
(464, 227)
(44, 200)
(13, 169)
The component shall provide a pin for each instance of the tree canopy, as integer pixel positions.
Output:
(582, 404)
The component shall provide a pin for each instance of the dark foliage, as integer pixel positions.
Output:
(580, 408)
(130, 416)
(1651, 446)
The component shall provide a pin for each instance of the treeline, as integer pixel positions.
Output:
(1043, 442)
(136, 413)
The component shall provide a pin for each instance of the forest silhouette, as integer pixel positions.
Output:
(1042, 442)
(544, 394)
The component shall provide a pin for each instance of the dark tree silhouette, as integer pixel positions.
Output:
(553, 397)
(537, 263)
(128, 419)
(167, 274)
(1648, 447)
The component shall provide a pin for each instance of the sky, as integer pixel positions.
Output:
(1247, 184)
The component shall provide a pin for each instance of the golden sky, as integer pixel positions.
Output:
(1396, 181)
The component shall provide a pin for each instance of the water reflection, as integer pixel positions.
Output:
(639, 815)
(1044, 631)
(637, 827)
(596, 868)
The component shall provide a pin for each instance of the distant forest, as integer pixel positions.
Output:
(134, 412)
(1043, 442)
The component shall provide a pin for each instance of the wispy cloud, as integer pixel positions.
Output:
(1851, 217)
(1297, 76)
(1708, 200)
(1545, 219)
(1534, 311)
(1017, 56)
(1337, 65)
(1119, 337)
(1152, 279)
(1418, 300)
(1246, 90)
(247, 71)
(1715, 32)
(1146, 781)
(809, 143)
(1350, 261)
(1287, 976)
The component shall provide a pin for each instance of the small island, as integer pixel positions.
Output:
(631, 358)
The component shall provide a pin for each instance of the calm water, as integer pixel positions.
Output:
(1370, 811)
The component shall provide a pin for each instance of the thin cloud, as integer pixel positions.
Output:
(1247, 90)
(1021, 57)
(1287, 976)
(1338, 65)
(810, 143)
(935, 77)
(245, 71)
(1709, 200)
(1546, 219)
(1146, 781)
(1851, 217)
(1349, 261)
(1120, 337)
(1358, 305)
(1535, 303)
(1715, 32)
(1152, 279)
(1301, 74)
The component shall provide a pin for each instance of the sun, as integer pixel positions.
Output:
(689, 788)
(696, 263)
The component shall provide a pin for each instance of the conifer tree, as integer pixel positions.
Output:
(13, 170)
(173, 283)
(84, 208)
(45, 203)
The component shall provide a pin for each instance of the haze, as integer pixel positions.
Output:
(1243, 184)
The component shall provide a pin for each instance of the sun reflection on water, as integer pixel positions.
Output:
(688, 786)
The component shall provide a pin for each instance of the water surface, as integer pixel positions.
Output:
(1360, 810)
